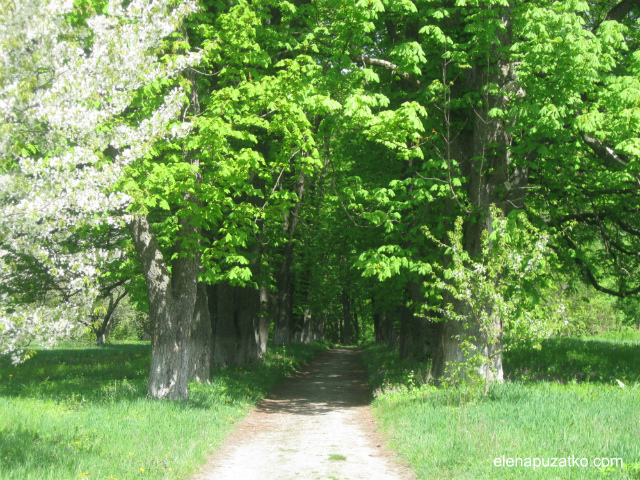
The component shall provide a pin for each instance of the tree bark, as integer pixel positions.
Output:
(493, 179)
(200, 347)
(106, 323)
(264, 321)
(406, 332)
(239, 330)
(388, 335)
(172, 299)
(346, 318)
(356, 325)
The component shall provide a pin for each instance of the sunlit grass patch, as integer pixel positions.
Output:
(335, 457)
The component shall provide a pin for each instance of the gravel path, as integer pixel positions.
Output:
(315, 425)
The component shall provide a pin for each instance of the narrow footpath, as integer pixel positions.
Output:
(315, 425)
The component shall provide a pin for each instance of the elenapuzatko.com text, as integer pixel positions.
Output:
(550, 462)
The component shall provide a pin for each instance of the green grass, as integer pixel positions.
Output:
(78, 412)
(564, 360)
(552, 407)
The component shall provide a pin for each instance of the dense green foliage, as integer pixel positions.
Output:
(77, 412)
(319, 141)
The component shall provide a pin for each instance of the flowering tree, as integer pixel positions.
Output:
(67, 73)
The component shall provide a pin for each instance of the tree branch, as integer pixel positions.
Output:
(621, 10)
(594, 281)
(605, 153)
(378, 62)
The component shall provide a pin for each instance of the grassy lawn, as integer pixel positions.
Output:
(561, 400)
(79, 412)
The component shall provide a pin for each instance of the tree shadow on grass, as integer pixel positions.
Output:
(564, 360)
(87, 375)
(24, 449)
(98, 375)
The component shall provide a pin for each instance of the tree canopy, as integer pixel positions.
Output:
(321, 166)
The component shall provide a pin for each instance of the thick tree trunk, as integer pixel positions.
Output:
(239, 330)
(200, 340)
(248, 325)
(172, 299)
(282, 331)
(424, 329)
(223, 324)
(493, 179)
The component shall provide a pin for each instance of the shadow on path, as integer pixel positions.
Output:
(333, 379)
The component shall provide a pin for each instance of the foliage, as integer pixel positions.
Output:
(314, 141)
(496, 289)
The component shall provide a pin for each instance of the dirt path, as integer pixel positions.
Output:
(315, 425)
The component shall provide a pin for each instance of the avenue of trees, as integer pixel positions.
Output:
(438, 172)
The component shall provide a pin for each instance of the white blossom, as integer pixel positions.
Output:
(59, 86)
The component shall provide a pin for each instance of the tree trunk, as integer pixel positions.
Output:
(200, 340)
(346, 318)
(172, 299)
(424, 328)
(493, 179)
(263, 319)
(248, 325)
(406, 331)
(222, 298)
(388, 334)
(377, 322)
(356, 325)
(283, 301)
(239, 330)
(105, 326)
(282, 332)
(377, 327)
(306, 334)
